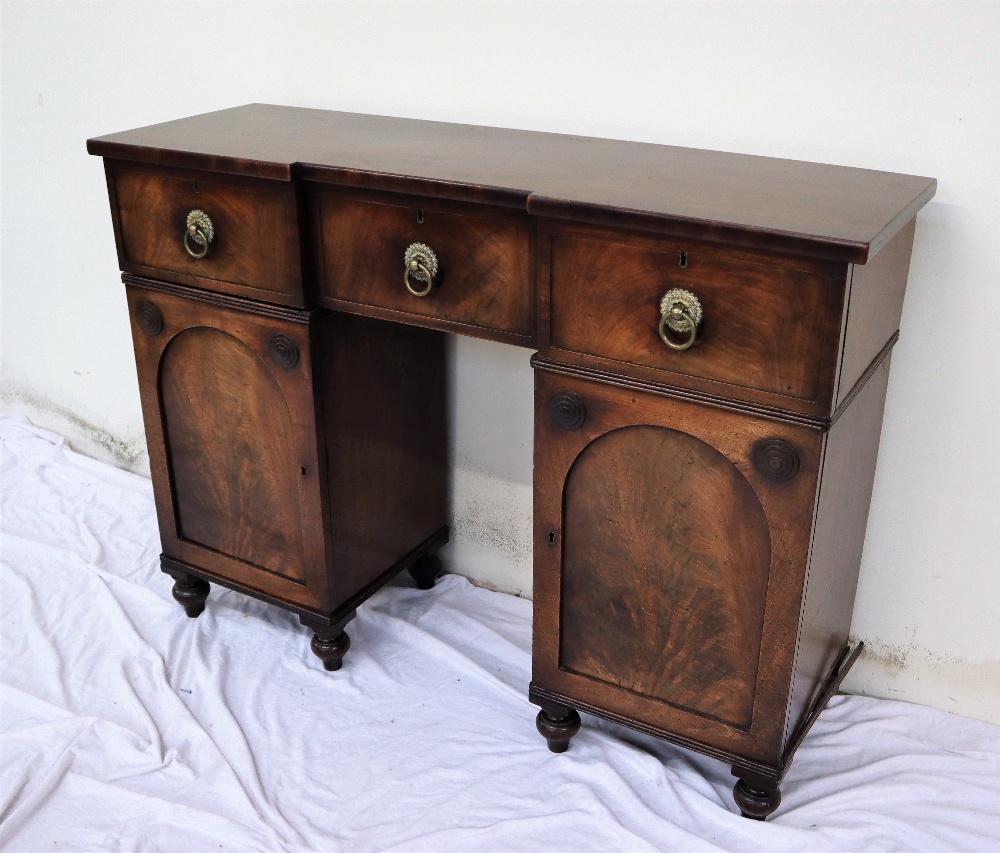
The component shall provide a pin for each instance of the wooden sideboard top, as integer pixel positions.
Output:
(832, 212)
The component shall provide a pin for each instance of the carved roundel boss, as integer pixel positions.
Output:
(776, 459)
(284, 351)
(567, 410)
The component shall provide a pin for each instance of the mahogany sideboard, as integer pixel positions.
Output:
(713, 336)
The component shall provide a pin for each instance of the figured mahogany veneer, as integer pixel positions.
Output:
(699, 514)
(699, 575)
(255, 251)
(484, 286)
(670, 565)
(771, 325)
(245, 404)
(789, 206)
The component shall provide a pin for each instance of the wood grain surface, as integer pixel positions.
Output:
(609, 575)
(255, 251)
(666, 554)
(234, 448)
(383, 388)
(232, 458)
(875, 308)
(805, 208)
(767, 324)
(848, 474)
(699, 516)
(484, 281)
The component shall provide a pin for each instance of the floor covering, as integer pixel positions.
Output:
(125, 726)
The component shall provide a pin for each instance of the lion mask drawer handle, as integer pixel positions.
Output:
(200, 232)
(420, 264)
(680, 313)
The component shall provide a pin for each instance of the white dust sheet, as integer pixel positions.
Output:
(127, 726)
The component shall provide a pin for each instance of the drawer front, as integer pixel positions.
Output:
(483, 282)
(766, 326)
(254, 249)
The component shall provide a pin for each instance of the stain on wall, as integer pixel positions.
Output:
(898, 670)
(491, 526)
(124, 451)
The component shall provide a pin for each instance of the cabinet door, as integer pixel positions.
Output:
(227, 398)
(671, 542)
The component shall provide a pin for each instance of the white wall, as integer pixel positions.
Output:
(902, 87)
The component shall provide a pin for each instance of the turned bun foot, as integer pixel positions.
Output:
(755, 804)
(331, 650)
(190, 593)
(426, 570)
(558, 730)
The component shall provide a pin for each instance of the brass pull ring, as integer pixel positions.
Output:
(421, 273)
(420, 264)
(200, 231)
(680, 312)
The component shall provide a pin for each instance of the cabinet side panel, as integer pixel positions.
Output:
(385, 418)
(838, 540)
(876, 304)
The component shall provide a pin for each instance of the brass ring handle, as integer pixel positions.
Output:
(199, 229)
(420, 264)
(680, 312)
(676, 314)
(421, 273)
(200, 239)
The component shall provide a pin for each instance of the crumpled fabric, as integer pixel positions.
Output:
(126, 726)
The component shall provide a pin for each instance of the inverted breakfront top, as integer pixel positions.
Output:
(833, 212)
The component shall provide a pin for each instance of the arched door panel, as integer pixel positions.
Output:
(231, 443)
(666, 549)
(671, 540)
(228, 401)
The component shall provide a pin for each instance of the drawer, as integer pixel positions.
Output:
(254, 249)
(768, 325)
(483, 284)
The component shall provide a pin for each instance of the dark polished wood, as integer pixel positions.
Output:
(849, 459)
(383, 388)
(875, 306)
(232, 452)
(238, 447)
(762, 202)
(330, 643)
(558, 704)
(842, 665)
(756, 803)
(255, 251)
(191, 593)
(699, 515)
(636, 496)
(426, 571)
(484, 284)
(769, 325)
(668, 569)
(235, 455)
(557, 727)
